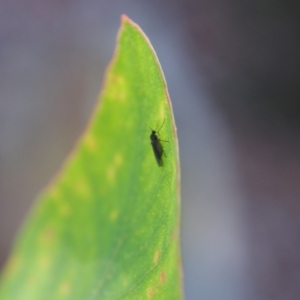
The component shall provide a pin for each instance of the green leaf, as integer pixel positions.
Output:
(107, 226)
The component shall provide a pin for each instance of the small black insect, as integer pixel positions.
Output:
(157, 146)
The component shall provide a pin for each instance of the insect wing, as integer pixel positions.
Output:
(157, 146)
(158, 151)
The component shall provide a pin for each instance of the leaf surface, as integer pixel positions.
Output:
(106, 227)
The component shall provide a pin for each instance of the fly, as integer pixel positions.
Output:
(157, 146)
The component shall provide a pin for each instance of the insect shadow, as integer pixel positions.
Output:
(157, 147)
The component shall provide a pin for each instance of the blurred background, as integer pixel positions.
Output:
(233, 71)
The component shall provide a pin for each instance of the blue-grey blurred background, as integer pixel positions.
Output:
(233, 71)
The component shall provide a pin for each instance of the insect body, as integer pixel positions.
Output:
(157, 146)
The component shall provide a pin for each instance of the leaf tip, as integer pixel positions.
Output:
(124, 19)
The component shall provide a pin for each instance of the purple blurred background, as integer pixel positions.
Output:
(233, 71)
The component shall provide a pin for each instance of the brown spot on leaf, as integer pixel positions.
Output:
(150, 292)
(48, 235)
(156, 257)
(13, 264)
(65, 288)
(162, 277)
